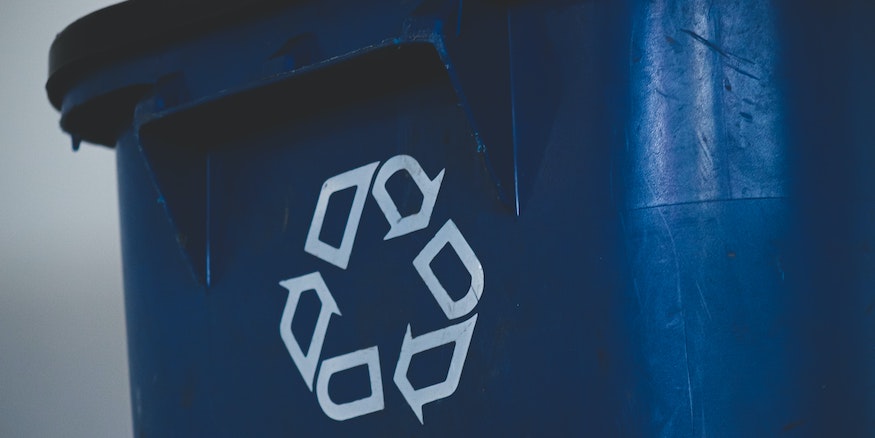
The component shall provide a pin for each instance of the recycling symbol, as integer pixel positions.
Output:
(457, 333)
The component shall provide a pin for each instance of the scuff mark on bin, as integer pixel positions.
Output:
(723, 53)
(792, 425)
(683, 313)
(704, 302)
(719, 50)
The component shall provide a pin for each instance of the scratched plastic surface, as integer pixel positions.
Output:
(672, 204)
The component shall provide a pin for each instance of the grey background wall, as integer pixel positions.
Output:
(63, 357)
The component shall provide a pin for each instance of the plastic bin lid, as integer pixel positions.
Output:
(128, 28)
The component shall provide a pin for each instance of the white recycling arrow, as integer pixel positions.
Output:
(398, 225)
(450, 234)
(359, 178)
(460, 334)
(306, 363)
(356, 408)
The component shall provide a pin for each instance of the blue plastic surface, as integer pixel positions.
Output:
(671, 203)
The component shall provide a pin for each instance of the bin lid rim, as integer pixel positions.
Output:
(131, 27)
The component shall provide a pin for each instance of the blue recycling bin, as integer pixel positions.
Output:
(489, 218)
